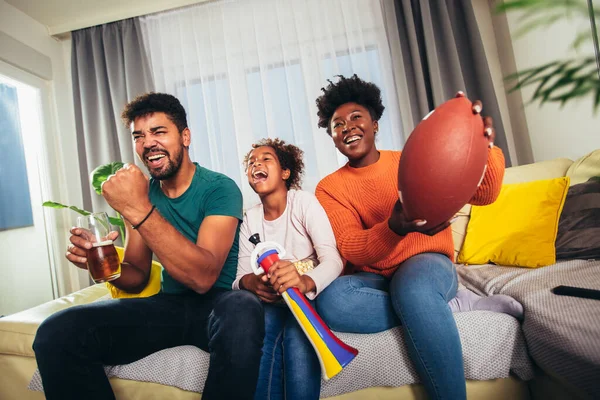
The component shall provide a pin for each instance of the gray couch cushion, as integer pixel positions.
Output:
(493, 347)
(562, 333)
(579, 224)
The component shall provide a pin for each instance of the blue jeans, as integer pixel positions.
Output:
(72, 345)
(417, 299)
(289, 368)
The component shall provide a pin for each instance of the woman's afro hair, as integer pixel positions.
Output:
(348, 90)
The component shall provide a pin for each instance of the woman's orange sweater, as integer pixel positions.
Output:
(359, 201)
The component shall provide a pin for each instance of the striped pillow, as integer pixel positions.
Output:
(579, 224)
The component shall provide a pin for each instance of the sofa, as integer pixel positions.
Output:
(504, 358)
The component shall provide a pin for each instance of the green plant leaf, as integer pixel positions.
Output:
(101, 174)
(509, 5)
(53, 204)
(121, 227)
(544, 13)
(541, 20)
(560, 81)
(582, 37)
(544, 6)
(531, 75)
(116, 222)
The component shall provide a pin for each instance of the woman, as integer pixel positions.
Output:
(399, 274)
(294, 219)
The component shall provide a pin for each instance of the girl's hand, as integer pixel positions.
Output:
(284, 275)
(257, 285)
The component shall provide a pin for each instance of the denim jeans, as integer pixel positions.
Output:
(417, 299)
(72, 345)
(289, 368)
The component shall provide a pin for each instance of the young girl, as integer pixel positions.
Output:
(399, 273)
(296, 220)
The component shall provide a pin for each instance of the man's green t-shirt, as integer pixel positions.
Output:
(210, 193)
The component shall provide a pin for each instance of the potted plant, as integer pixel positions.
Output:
(561, 80)
(98, 177)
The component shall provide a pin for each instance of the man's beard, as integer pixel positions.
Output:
(170, 169)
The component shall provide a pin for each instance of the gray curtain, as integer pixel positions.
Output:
(109, 69)
(443, 52)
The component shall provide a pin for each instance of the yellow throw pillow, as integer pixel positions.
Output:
(519, 228)
(152, 288)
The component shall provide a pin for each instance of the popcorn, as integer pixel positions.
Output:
(303, 266)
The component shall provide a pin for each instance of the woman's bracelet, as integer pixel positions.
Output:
(145, 218)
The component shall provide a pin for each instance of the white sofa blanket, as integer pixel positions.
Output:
(493, 347)
(562, 333)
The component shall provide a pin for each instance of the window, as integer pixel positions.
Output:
(366, 65)
(210, 113)
(275, 98)
(252, 69)
(15, 201)
(289, 108)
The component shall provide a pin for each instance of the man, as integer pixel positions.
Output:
(189, 217)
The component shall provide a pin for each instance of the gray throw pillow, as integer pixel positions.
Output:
(579, 225)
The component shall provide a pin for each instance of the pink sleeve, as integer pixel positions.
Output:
(319, 230)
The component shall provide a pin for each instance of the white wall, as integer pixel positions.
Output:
(497, 45)
(26, 273)
(571, 131)
(60, 140)
(486, 30)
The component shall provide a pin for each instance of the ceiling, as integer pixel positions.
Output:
(64, 16)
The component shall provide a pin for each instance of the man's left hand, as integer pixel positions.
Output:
(127, 192)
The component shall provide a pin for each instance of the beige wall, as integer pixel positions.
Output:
(495, 35)
(570, 131)
(59, 127)
(485, 23)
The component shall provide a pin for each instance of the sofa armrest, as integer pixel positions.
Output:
(17, 331)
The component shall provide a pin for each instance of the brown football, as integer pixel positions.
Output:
(442, 163)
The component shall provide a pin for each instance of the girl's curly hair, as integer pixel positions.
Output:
(289, 156)
(348, 90)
